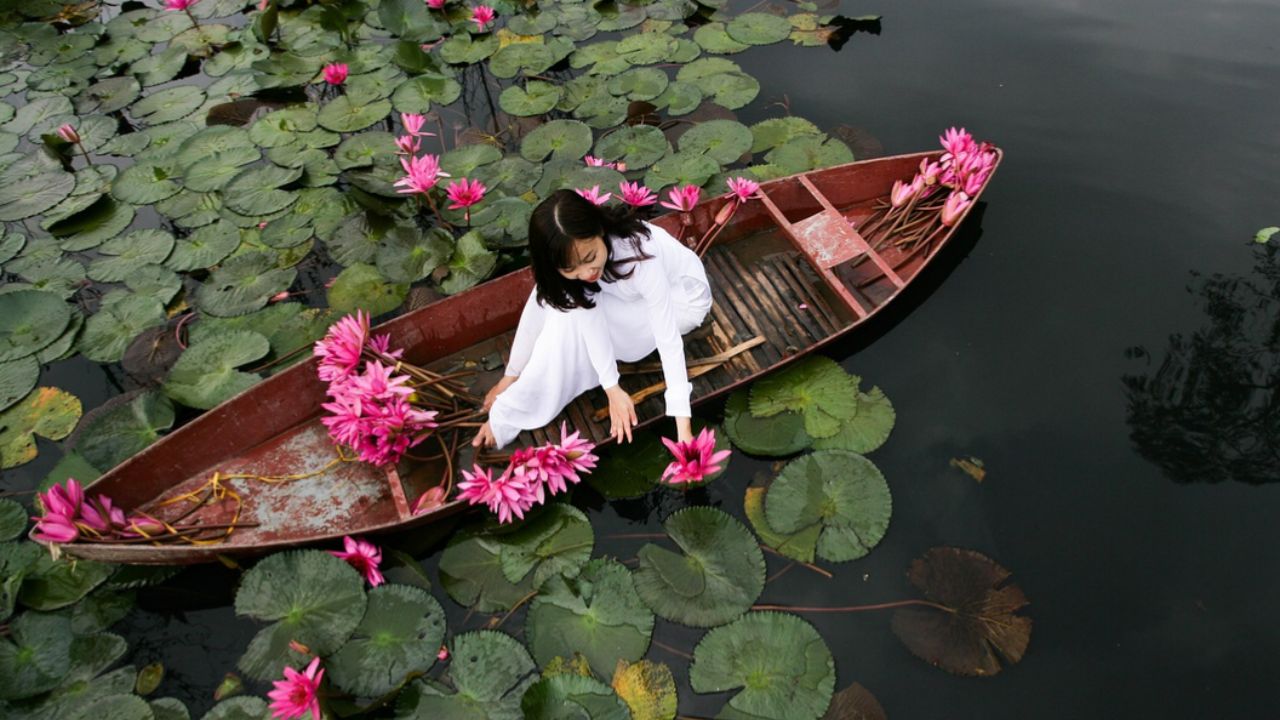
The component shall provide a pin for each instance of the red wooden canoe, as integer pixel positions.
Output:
(790, 269)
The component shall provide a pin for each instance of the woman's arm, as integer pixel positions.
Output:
(532, 318)
(655, 286)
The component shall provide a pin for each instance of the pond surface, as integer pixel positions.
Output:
(1141, 148)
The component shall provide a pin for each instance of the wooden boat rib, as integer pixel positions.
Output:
(791, 268)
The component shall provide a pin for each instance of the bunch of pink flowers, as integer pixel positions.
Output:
(963, 168)
(70, 515)
(370, 411)
(532, 475)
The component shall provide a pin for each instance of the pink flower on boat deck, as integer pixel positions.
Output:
(362, 555)
(636, 195)
(973, 184)
(902, 192)
(931, 172)
(55, 528)
(408, 145)
(297, 694)
(68, 132)
(423, 172)
(683, 198)
(179, 4)
(743, 189)
(435, 4)
(428, 500)
(63, 500)
(380, 344)
(335, 73)
(101, 515)
(464, 193)
(509, 496)
(482, 15)
(143, 525)
(694, 459)
(593, 194)
(377, 384)
(340, 349)
(413, 123)
(957, 202)
(956, 142)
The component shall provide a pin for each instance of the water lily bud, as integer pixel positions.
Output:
(68, 133)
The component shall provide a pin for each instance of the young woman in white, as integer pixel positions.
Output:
(608, 287)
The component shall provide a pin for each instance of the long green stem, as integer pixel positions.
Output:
(854, 608)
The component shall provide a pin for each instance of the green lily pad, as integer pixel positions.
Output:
(118, 321)
(364, 149)
(639, 83)
(681, 169)
(52, 584)
(784, 668)
(57, 276)
(533, 22)
(362, 286)
(357, 238)
(809, 152)
(256, 191)
(288, 231)
(243, 284)
(865, 431)
(309, 596)
(13, 520)
(489, 671)
(463, 49)
(205, 375)
(168, 105)
(721, 80)
(842, 492)
(407, 255)
(560, 139)
(714, 38)
(91, 184)
(215, 170)
(282, 126)
(719, 576)
(115, 432)
(532, 58)
(647, 48)
(32, 185)
(35, 656)
(769, 134)
(238, 708)
(570, 695)
(95, 130)
(756, 28)
(168, 709)
(166, 140)
(816, 387)
(504, 222)
(680, 98)
(126, 254)
(512, 175)
(638, 146)
(472, 262)
(535, 98)
(471, 572)
(206, 247)
(29, 321)
(776, 436)
(800, 545)
(10, 245)
(64, 347)
(36, 111)
(104, 219)
(467, 159)
(399, 635)
(598, 614)
(110, 95)
(725, 141)
(145, 183)
(345, 115)
(554, 542)
(416, 95)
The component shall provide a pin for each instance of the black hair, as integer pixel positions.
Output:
(565, 218)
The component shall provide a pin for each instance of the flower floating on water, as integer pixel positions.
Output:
(636, 195)
(593, 194)
(298, 693)
(531, 475)
(422, 174)
(335, 73)
(743, 189)
(482, 15)
(508, 495)
(683, 198)
(593, 161)
(362, 555)
(464, 193)
(694, 459)
(413, 123)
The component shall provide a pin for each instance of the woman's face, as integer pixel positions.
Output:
(589, 257)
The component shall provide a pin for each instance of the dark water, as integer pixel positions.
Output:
(1141, 145)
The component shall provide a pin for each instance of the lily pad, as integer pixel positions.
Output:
(238, 708)
(463, 49)
(647, 48)
(362, 286)
(680, 98)
(784, 668)
(168, 105)
(468, 158)
(725, 141)
(256, 191)
(865, 431)
(206, 247)
(109, 95)
(681, 169)
(416, 95)
(559, 139)
(125, 255)
(714, 38)
(310, 596)
(842, 492)
(570, 695)
(205, 375)
(282, 126)
(364, 149)
(103, 220)
(399, 635)
(345, 115)
(555, 542)
(756, 28)
(721, 80)
(145, 183)
(29, 321)
(597, 614)
(648, 689)
(472, 262)
(776, 436)
(532, 58)
(118, 321)
(719, 576)
(407, 255)
(113, 433)
(801, 545)
(816, 387)
(638, 146)
(243, 284)
(32, 185)
(214, 171)
(35, 656)
(809, 152)
(504, 222)
(490, 671)
(639, 83)
(13, 520)
(535, 98)
(982, 626)
(471, 572)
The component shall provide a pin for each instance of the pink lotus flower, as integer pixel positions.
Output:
(435, 4)
(63, 500)
(636, 195)
(594, 195)
(423, 172)
(482, 15)
(381, 431)
(362, 555)
(443, 654)
(464, 193)
(408, 145)
(55, 528)
(743, 189)
(509, 495)
(377, 384)
(340, 349)
(68, 132)
(593, 161)
(429, 500)
(335, 73)
(179, 4)
(576, 454)
(930, 171)
(143, 525)
(956, 142)
(973, 184)
(957, 202)
(297, 694)
(902, 192)
(682, 199)
(694, 459)
(262, 6)
(101, 516)
(413, 123)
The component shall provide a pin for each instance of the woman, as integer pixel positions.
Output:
(608, 287)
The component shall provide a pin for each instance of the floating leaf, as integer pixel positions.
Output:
(48, 412)
(416, 95)
(364, 149)
(532, 58)
(778, 435)
(110, 95)
(345, 115)
(981, 625)
(597, 614)
(238, 708)
(561, 139)
(714, 38)
(809, 153)
(800, 545)
(32, 185)
(13, 520)
(168, 105)
(1264, 235)
(681, 169)
(719, 576)
(535, 98)
(784, 668)
(638, 146)
(503, 222)
(556, 541)
(214, 171)
(725, 141)
(471, 572)
(472, 262)
(855, 703)
(721, 80)
(206, 374)
(362, 286)
(489, 671)
(29, 321)
(399, 635)
(52, 584)
(407, 255)
(466, 159)
(105, 219)
(243, 284)
(168, 709)
(145, 183)
(256, 191)
(757, 28)
(866, 430)
(204, 248)
(639, 83)
(282, 126)
(149, 678)
(648, 689)
(680, 98)
(570, 695)
(842, 492)
(35, 656)
(118, 321)
(116, 431)
(646, 48)
(125, 255)
(816, 387)
(310, 596)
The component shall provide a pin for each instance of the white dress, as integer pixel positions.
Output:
(558, 355)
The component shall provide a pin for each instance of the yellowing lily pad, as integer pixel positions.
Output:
(49, 412)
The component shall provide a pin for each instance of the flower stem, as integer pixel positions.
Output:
(855, 608)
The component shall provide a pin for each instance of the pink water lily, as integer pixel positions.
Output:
(742, 188)
(63, 500)
(901, 193)
(683, 199)
(464, 193)
(482, 15)
(435, 4)
(593, 161)
(593, 194)
(341, 347)
(509, 495)
(298, 693)
(55, 528)
(957, 142)
(531, 475)
(408, 145)
(576, 454)
(694, 459)
(362, 555)
(335, 73)
(423, 172)
(413, 123)
(636, 194)
(957, 202)
(68, 132)
(179, 4)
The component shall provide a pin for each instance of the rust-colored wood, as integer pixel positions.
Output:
(274, 428)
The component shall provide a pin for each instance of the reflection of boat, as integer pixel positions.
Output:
(788, 273)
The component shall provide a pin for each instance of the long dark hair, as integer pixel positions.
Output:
(561, 220)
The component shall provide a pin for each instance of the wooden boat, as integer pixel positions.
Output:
(791, 269)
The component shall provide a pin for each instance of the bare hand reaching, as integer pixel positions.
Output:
(622, 413)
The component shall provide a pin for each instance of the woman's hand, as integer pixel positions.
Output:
(622, 413)
(506, 382)
(684, 429)
(484, 438)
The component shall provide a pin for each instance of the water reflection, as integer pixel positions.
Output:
(1210, 411)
